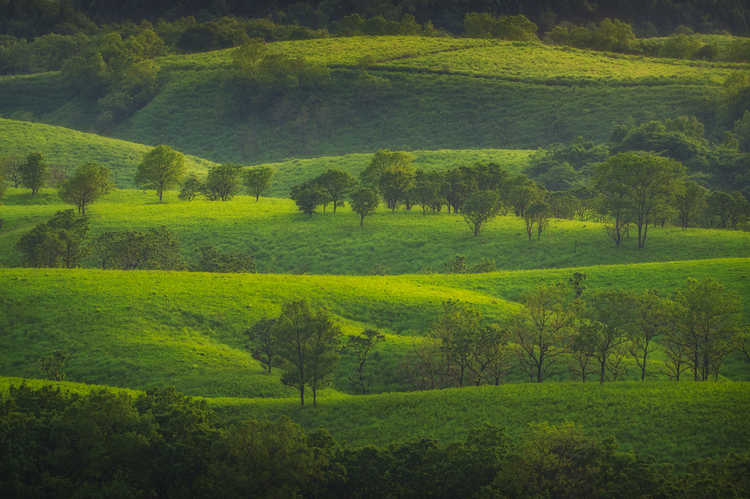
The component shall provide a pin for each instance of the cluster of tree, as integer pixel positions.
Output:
(29, 18)
(458, 352)
(163, 444)
(696, 329)
(261, 80)
(303, 343)
(562, 328)
(225, 181)
(354, 25)
(61, 242)
(485, 25)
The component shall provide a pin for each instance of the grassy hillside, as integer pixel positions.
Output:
(64, 146)
(674, 422)
(445, 93)
(283, 239)
(68, 147)
(138, 329)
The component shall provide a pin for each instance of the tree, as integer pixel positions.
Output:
(192, 186)
(542, 329)
(705, 320)
(337, 183)
(162, 167)
(395, 184)
(10, 165)
(537, 213)
(362, 344)
(154, 249)
(258, 179)
(308, 197)
(213, 260)
(57, 242)
(650, 319)
(89, 183)
(456, 328)
(263, 334)
(307, 346)
(426, 190)
(34, 172)
(383, 161)
(481, 207)
(690, 202)
(364, 202)
(636, 187)
(52, 365)
(604, 326)
(223, 182)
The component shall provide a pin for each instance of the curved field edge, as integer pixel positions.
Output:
(674, 422)
(143, 328)
(71, 148)
(284, 240)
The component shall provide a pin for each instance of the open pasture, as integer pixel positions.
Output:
(284, 240)
(142, 328)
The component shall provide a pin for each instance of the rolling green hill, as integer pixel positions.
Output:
(283, 239)
(138, 329)
(71, 148)
(444, 93)
(68, 147)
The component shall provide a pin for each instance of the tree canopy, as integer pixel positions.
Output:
(162, 167)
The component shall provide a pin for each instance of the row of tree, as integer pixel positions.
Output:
(165, 445)
(63, 241)
(560, 328)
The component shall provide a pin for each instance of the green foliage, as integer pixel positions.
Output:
(258, 180)
(365, 202)
(191, 188)
(306, 347)
(161, 168)
(52, 366)
(34, 172)
(57, 242)
(152, 249)
(362, 344)
(89, 183)
(213, 260)
(223, 182)
(481, 207)
(504, 27)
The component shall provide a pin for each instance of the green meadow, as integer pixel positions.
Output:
(283, 240)
(449, 102)
(443, 94)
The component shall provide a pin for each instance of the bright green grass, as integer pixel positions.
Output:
(145, 328)
(542, 63)
(675, 422)
(283, 239)
(68, 147)
(446, 94)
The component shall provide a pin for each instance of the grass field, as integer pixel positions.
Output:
(283, 239)
(445, 93)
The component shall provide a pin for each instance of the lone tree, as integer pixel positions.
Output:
(307, 346)
(88, 184)
(162, 167)
(481, 207)
(258, 180)
(364, 202)
(34, 172)
(309, 196)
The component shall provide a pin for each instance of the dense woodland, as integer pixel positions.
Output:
(314, 221)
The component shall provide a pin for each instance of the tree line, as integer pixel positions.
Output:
(163, 444)
(562, 329)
